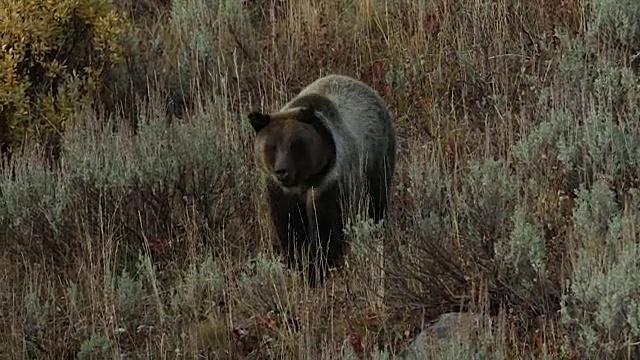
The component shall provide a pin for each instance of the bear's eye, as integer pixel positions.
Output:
(295, 146)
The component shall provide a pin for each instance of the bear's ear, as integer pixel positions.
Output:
(258, 120)
(307, 115)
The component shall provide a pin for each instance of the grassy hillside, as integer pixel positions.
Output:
(146, 233)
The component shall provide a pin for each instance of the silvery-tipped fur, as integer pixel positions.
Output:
(362, 127)
(351, 151)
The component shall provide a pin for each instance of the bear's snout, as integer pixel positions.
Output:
(282, 175)
(284, 169)
(285, 175)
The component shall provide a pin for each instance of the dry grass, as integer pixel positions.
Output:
(173, 255)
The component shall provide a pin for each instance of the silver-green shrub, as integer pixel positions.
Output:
(162, 177)
(599, 142)
(523, 253)
(616, 19)
(602, 299)
(130, 299)
(97, 346)
(461, 227)
(201, 284)
(541, 143)
(367, 256)
(263, 285)
(33, 201)
(208, 35)
(35, 191)
(578, 167)
(486, 205)
(199, 21)
(419, 263)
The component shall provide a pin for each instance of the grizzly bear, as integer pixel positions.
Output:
(333, 142)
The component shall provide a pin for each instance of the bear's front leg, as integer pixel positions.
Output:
(289, 219)
(324, 239)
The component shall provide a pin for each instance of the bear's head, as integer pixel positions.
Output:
(293, 146)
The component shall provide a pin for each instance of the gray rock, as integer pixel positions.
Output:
(449, 326)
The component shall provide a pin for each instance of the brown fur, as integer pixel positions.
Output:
(333, 141)
(289, 141)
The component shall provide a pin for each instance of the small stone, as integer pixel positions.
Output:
(449, 326)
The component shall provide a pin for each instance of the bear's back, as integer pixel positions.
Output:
(357, 115)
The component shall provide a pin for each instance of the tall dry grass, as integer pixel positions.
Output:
(514, 195)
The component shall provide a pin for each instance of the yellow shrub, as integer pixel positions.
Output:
(54, 53)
